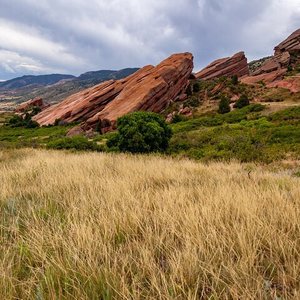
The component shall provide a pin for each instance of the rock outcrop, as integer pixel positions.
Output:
(149, 89)
(229, 66)
(291, 83)
(267, 78)
(287, 54)
(288, 47)
(36, 102)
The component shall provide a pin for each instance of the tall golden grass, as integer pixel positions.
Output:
(100, 226)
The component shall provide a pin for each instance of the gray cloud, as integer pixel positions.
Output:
(74, 36)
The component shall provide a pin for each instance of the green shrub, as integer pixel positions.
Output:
(291, 115)
(16, 121)
(35, 110)
(242, 102)
(141, 132)
(189, 90)
(193, 101)
(178, 118)
(75, 143)
(255, 107)
(196, 87)
(234, 80)
(25, 121)
(224, 105)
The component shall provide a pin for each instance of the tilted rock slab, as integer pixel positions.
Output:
(229, 66)
(290, 45)
(275, 68)
(149, 89)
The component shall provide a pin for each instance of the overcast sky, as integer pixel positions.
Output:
(75, 36)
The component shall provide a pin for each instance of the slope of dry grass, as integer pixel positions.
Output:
(99, 226)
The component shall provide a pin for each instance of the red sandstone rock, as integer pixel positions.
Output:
(30, 104)
(149, 89)
(290, 45)
(229, 66)
(275, 68)
(181, 98)
(291, 83)
(265, 77)
(186, 111)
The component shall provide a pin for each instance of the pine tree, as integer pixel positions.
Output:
(224, 105)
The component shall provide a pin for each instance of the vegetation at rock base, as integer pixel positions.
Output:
(234, 80)
(74, 143)
(242, 102)
(224, 105)
(246, 134)
(141, 132)
(25, 119)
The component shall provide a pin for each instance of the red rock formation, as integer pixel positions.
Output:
(273, 69)
(290, 45)
(290, 83)
(265, 77)
(36, 102)
(149, 89)
(229, 66)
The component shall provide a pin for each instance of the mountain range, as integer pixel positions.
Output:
(54, 87)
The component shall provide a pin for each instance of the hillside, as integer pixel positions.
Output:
(22, 89)
(32, 81)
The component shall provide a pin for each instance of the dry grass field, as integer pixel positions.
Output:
(101, 226)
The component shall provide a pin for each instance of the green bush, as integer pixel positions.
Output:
(141, 132)
(242, 102)
(75, 143)
(224, 105)
(193, 101)
(292, 115)
(196, 87)
(234, 80)
(178, 118)
(25, 121)
(189, 90)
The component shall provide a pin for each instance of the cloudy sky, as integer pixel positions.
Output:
(75, 36)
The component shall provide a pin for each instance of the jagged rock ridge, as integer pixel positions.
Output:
(229, 66)
(286, 55)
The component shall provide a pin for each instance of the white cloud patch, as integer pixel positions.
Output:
(74, 36)
(15, 63)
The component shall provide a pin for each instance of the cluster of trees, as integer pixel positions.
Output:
(224, 105)
(25, 120)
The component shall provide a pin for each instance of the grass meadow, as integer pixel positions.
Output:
(115, 226)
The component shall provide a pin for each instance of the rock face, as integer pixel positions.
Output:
(37, 102)
(265, 77)
(229, 66)
(286, 54)
(149, 89)
(291, 83)
(288, 47)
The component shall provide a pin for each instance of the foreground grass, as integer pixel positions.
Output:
(100, 226)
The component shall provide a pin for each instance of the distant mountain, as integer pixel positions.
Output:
(99, 76)
(54, 88)
(39, 80)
